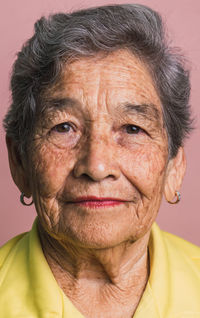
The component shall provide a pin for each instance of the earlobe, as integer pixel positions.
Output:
(17, 167)
(174, 175)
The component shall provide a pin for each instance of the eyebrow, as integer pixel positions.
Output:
(49, 103)
(149, 111)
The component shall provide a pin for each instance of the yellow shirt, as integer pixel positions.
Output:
(28, 288)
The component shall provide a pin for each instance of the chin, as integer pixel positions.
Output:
(97, 236)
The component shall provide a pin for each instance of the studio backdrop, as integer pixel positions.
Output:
(182, 18)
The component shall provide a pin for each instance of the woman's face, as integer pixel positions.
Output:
(98, 159)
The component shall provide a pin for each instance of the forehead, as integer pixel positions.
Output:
(113, 79)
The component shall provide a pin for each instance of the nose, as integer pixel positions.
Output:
(98, 161)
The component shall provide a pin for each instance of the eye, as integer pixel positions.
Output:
(64, 135)
(62, 128)
(133, 129)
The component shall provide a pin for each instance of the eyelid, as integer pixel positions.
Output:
(63, 123)
(140, 128)
(137, 126)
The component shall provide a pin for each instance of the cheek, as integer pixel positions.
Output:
(50, 168)
(145, 168)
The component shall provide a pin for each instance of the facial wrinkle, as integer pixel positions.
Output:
(140, 162)
(149, 111)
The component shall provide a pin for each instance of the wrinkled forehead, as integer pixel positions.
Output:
(119, 78)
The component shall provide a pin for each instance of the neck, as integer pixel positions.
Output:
(122, 268)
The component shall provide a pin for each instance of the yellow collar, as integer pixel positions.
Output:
(29, 289)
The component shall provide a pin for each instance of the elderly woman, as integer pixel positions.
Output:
(95, 136)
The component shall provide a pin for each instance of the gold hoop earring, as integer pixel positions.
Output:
(178, 198)
(22, 200)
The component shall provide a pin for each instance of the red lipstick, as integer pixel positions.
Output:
(97, 202)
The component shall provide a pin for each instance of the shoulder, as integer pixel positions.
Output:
(176, 247)
(175, 274)
(184, 274)
(180, 258)
(18, 260)
(8, 248)
(180, 248)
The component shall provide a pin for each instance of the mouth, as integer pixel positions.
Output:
(97, 202)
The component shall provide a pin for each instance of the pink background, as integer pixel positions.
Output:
(183, 22)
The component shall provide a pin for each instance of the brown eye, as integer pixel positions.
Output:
(132, 129)
(64, 135)
(62, 128)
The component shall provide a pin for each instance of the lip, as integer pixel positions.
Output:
(97, 202)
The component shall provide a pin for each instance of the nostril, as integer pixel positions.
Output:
(86, 177)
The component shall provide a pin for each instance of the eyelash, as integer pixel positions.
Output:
(129, 128)
(134, 129)
(56, 128)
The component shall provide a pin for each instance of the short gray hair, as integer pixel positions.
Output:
(62, 37)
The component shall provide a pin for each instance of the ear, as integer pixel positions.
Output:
(175, 173)
(18, 167)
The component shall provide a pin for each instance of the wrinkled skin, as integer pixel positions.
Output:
(98, 157)
(113, 145)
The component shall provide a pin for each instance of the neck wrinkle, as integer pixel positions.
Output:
(116, 265)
